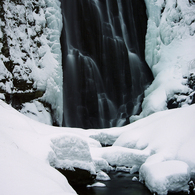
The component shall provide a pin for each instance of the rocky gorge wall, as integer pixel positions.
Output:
(98, 78)
(30, 58)
(170, 41)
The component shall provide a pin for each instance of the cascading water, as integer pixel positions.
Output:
(103, 61)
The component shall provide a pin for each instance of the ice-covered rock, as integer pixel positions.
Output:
(97, 184)
(135, 179)
(102, 176)
(170, 40)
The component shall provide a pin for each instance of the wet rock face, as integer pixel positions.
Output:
(16, 82)
(192, 2)
(103, 60)
(191, 81)
(180, 99)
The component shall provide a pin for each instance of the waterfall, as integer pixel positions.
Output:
(104, 69)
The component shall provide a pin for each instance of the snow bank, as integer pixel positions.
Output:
(165, 134)
(152, 146)
(170, 40)
(105, 136)
(28, 148)
(119, 156)
(21, 173)
(156, 143)
(35, 110)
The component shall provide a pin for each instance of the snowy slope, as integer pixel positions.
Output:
(159, 146)
(28, 149)
(170, 41)
(30, 58)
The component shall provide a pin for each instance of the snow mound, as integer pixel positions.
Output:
(166, 176)
(71, 151)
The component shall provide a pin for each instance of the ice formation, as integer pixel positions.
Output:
(170, 41)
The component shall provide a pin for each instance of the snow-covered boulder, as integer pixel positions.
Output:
(121, 156)
(167, 176)
(72, 157)
(102, 176)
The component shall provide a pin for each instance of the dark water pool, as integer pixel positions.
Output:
(120, 184)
